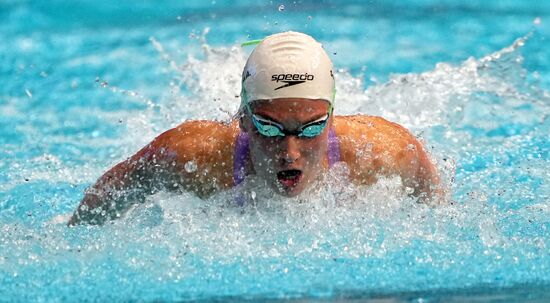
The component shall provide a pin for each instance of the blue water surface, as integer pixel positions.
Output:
(85, 84)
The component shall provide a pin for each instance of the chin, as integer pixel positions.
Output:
(288, 192)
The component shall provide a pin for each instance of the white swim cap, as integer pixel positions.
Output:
(288, 65)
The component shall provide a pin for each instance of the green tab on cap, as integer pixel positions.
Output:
(252, 42)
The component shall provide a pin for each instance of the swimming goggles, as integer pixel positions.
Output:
(270, 128)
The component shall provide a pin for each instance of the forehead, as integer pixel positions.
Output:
(285, 106)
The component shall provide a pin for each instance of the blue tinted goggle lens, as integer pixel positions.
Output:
(272, 129)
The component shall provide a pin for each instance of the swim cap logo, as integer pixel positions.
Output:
(291, 79)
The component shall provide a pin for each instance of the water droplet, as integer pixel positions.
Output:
(190, 166)
(281, 7)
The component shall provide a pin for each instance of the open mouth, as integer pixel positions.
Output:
(289, 178)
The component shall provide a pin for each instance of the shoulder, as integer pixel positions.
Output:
(197, 138)
(198, 132)
(207, 145)
(372, 145)
(360, 129)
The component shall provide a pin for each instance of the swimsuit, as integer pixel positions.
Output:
(242, 152)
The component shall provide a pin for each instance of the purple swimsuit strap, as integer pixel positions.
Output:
(333, 148)
(242, 151)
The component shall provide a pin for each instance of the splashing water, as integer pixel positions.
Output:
(484, 124)
(201, 86)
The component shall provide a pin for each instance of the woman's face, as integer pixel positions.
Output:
(291, 163)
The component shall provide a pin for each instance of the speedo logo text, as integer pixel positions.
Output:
(291, 79)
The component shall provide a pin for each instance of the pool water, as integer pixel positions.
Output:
(86, 84)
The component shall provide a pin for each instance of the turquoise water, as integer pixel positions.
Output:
(85, 85)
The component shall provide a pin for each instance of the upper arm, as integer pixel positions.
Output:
(178, 158)
(115, 191)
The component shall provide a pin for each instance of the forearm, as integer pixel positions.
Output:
(98, 206)
(113, 194)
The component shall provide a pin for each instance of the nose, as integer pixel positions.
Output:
(290, 149)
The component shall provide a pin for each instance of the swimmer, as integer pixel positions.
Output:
(285, 133)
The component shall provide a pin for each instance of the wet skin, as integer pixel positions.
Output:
(369, 146)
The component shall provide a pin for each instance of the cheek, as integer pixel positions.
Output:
(262, 151)
(316, 147)
(263, 145)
